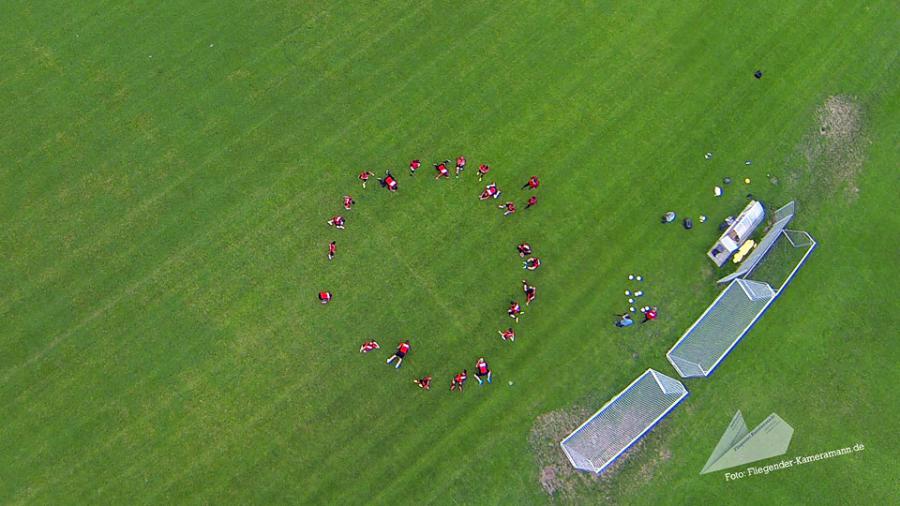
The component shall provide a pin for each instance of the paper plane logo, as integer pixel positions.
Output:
(739, 446)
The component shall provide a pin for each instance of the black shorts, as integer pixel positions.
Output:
(479, 374)
(400, 354)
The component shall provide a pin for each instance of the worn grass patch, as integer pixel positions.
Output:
(560, 480)
(834, 154)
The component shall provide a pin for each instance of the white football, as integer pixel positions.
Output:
(627, 292)
(631, 276)
(640, 278)
(631, 301)
(631, 308)
(510, 383)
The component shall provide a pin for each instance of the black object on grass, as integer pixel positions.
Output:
(758, 74)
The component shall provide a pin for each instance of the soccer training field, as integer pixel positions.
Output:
(167, 171)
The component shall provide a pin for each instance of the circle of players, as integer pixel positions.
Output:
(531, 263)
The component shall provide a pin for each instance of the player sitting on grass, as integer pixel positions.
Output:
(460, 165)
(414, 166)
(423, 383)
(514, 310)
(508, 334)
(524, 249)
(368, 346)
(490, 192)
(402, 350)
(510, 208)
(649, 314)
(482, 371)
(530, 292)
(337, 222)
(348, 202)
(624, 320)
(482, 171)
(325, 297)
(441, 169)
(459, 381)
(533, 183)
(532, 264)
(332, 249)
(388, 181)
(364, 177)
(531, 201)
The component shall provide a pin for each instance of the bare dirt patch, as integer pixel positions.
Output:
(835, 154)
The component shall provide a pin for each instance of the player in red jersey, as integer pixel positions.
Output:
(441, 169)
(514, 310)
(490, 192)
(532, 264)
(508, 334)
(530, 292)
(482, 370)
(414, 166)
(482, 170)
(524, 249)
(388, 181)
(459, 380)
(332, 249)
(325, 297)
(364, 177)
(649, 314)
(337, 222)
(348, 202)
(460, 165)
(510, 208)
(423, 383)
(533, 183)
(368, 346)
(531, 201)
(402, 350)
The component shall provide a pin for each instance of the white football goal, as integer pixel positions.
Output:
(622, 421)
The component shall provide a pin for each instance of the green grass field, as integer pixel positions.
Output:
(165, 176)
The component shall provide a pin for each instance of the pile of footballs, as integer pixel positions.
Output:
(633, 295)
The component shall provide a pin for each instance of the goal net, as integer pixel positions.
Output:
(750, 292)
(720, 327)
(622, 421)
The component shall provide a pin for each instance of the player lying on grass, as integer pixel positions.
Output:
(532, 201)
(388, 181)
(325, 297)
(332, 249)
(460, 165)
(514, 310)
(490, 192)
(482, 371)
(364, 177)
(348, 202)
(423, 383)
(459, 381)
(524, 249)
(368, 346)
(482, 171)
(441, 169)
(414, 166)
(337, 222)
(508, 334)
(532, 264)
(530, 292)
(402, 350)
(510, 208)
(649, 313)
